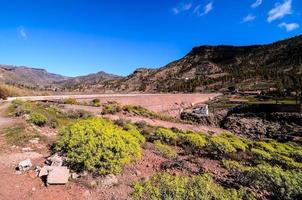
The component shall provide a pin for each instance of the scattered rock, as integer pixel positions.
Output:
(34, 141)
(24, 165)
(55, 160)
(58, 175)
(75, 175)
(93, 184)
(109, 180)
(138, 173)
(26, 149)
(44, 171)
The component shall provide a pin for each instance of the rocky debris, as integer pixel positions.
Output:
(54, 160)
(58, 175)
(75, 175)
(109, 180)
(24, 165)
(260, 125)
(54, 173)
(210, 120)
(34, 141)
(172, 165)
(26, 149)
(44, 171)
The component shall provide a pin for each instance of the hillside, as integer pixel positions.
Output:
(33, 78)
(28, 77)
(218, 67)
(87, 82)
(205, 68)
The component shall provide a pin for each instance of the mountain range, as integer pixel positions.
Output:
(203, 68)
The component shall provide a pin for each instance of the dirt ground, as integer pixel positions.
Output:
(168, 103)
(27, 186)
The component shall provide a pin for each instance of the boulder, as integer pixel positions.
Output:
(24, 165)
(58, 175)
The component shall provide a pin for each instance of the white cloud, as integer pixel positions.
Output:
(289, 26)
(280, 10)
(256, 4)
(182, 8)
(249, 18)
(200, 11)
(22, 33)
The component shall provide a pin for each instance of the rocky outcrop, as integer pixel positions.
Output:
(284, 126)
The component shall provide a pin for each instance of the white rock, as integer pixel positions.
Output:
(55, 160)
(74, 175)
(25, 165)
(58, 175)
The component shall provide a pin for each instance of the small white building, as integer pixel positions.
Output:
(202, 110)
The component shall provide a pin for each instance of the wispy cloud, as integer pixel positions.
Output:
(280, 10)
(289, 26)
(248, 18)
(22, 33)
(203, 10)
(182, 7)
(256, 4)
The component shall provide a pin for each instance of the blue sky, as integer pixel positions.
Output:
(77, 37)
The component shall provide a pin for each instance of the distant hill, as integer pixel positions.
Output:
(28, 77)
(90, 81)
(218, 67)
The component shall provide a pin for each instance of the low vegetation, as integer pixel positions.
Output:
(166, 187)
(42, 114)
(71, 101)
(37, 119)
(98, 145)
(96, 103)
(18, 134)
(165, 150)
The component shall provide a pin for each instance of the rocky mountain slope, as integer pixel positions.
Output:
(216, 67)
(205, 68)
(29, 77)
(39, 78)
(87, 82)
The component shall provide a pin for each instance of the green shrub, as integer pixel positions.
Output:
(165, 135)
(281, 184)
(98, 145)
(111, 109)
(286, 155)
(71, 101)
(96, 102)
(19, 107)
(193, 141)
(167, 187)
(38, 119)
(165, 150)
(261, 154)
(227, 143)
(130, 128)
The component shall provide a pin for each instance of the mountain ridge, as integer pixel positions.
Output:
(205, 67)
